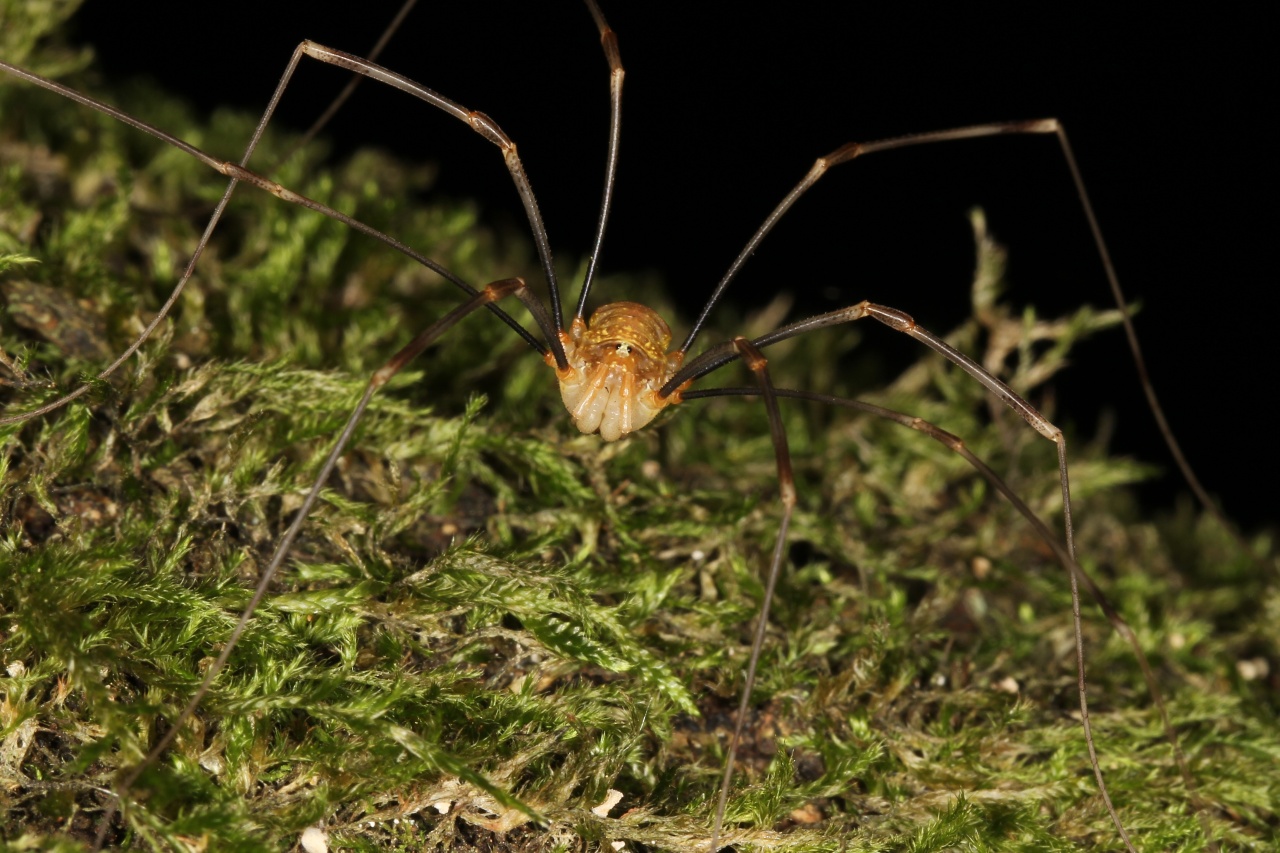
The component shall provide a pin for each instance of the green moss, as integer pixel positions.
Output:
(484, 594)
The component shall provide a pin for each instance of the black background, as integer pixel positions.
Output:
(725, 110)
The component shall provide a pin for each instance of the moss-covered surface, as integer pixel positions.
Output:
(484, 594)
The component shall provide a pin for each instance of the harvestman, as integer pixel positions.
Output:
(615, 371)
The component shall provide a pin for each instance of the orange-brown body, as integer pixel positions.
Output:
(618, 361)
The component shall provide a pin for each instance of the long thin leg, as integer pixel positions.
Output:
(843, 154)
(609, 40)
(492, 293)
(477, 121)
(787, 489)
(238, 173)
(723, 353)
(1131, 333)
(345, 95)
(853, 150)
(1065, 557)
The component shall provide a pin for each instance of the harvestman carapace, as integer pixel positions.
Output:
(615, 369)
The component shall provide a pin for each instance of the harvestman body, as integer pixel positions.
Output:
(616, 371)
